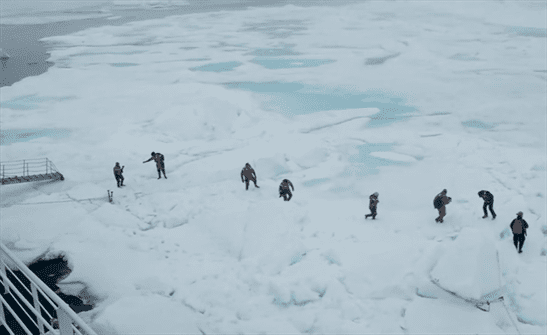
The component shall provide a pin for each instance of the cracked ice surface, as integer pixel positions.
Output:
(196, 253)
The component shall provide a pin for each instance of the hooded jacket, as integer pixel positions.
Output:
(158, 158)
(373, 202)
(285, 185)
(441, 200)
(118, 170)
(487, 196)
(248, 172)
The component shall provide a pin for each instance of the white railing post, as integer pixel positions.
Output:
(65, 322)
(5, 284)
(37, 306)
(4, 276)
(23, 167)
(2, 317)
(66, 317)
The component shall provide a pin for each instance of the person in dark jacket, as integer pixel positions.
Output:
(372, 205)
(440, 201)
(519, 226)
(118, 174)
(488, 201)
(284, 189)
(160, 165)
(249, 173)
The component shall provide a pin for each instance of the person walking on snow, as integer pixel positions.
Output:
(159, 163)
(284, 189)
(372, 205)
(440, 201)
(519, 226)
(488, 201)
(118, 174)
(249, 174)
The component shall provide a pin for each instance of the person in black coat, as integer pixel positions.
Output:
(519, 226)
(488, 202)
(440, 201)
(284, 189)
(372, 205)
(249, 174)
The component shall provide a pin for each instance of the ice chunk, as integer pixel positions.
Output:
(469, 266)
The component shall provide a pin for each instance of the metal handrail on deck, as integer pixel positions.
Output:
(69, 323)
(28, 170)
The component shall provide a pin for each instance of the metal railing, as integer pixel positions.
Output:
(28, 170)
(49, 314)
(27, 167)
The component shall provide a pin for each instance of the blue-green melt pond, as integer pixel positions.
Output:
(281, 63)
(364, 163)
(217, 67)
(294, 98)
(30, 101)
(9, 136)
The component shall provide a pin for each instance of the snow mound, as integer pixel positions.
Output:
(163, 315)
(469, 265)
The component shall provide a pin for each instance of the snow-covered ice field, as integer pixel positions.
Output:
(400, 98)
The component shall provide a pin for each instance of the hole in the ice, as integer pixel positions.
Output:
(9, 136)
(217, 67)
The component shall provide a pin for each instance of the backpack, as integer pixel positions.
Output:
(438, 202)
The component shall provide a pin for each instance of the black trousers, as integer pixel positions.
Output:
(247, 183)
(161, 170)
(372, 213)
(283, 193)
(518, 240)
(119, 179)
(490, 206)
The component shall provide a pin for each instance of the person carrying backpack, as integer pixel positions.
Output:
(518, 227)
(488, 201)
(373, 202)
(284, 189)
(159, 163)
(118, 174)
(440, 201)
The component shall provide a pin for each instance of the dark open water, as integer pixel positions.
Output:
(28, 56)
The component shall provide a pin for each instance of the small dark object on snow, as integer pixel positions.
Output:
(284, 189)
(160, 165)
(488, 202)
(372, 205)
(249, 174)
